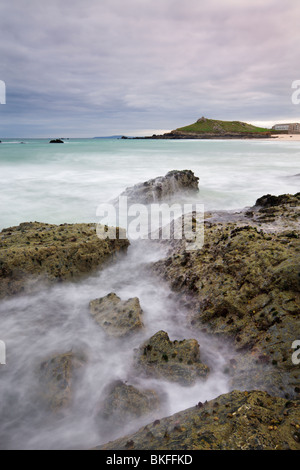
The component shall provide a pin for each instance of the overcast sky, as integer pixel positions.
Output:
(80, 68)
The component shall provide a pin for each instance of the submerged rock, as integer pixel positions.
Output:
(37, 251)
(163, 187)
(177, 361)
(244, 284)
(235, 421)
(56, 377)
(118, 318)
(122, 403)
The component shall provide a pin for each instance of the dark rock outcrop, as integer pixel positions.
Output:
(235, 421)
(56, 141)
(37, 251)
(177, 361)
(118, 318)
(163, 187)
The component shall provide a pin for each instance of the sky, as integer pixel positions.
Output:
(85, 68)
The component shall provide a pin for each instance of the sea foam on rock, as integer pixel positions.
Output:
(121, 402)
(163, 187)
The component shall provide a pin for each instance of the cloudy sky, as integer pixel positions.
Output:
(80, 68)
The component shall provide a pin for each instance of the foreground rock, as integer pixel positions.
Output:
(56, 377)
(177, 361)
(122, 403)
(118, 318)
(235, 421)
(50, 253)
(244, 284)
(163, 187)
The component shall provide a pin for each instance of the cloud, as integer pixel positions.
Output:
(120, 66)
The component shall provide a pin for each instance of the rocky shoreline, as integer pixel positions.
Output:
(242, 285)
(226, 135)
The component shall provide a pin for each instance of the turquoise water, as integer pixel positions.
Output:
(65, 183)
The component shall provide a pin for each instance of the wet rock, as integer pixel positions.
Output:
(56, 377)
(122, 403)
(244, 285)
(37, 251)
(177, 361)
(272, 201)
(56, 141)
(163, 187)
(234, 421)
(118, 318)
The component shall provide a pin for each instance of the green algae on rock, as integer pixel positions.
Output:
(56, 376)
(177, 361)
(118, 318)
(234, 421)
(36, 251)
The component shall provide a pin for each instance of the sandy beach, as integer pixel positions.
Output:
(290, 137)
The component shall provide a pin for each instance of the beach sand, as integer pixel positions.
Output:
(290, 137)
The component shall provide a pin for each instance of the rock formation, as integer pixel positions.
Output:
(177, 361)
(122, 403)
(118, 318)
(56, 377)
(163, 187)
(234, 421)
(244, 285)
(36, 251)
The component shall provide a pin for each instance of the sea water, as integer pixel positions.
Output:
(60, 183)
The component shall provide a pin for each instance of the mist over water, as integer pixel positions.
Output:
(57, 320)
(58, 184)
(66, 183)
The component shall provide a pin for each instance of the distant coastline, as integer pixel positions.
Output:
(215, 129)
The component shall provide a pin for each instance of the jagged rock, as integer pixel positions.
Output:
(244, 284)
(56, 141)
(56, 377)
(122, 403)
(118, 318)
(177, 361)
(37, 251)
(163, 187)
(234, 421)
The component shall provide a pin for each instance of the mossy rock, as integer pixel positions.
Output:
(117, 318)
(34, 252)
(177, 361)
(234, 421)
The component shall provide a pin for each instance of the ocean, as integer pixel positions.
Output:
(66, 183)
(60, 183)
